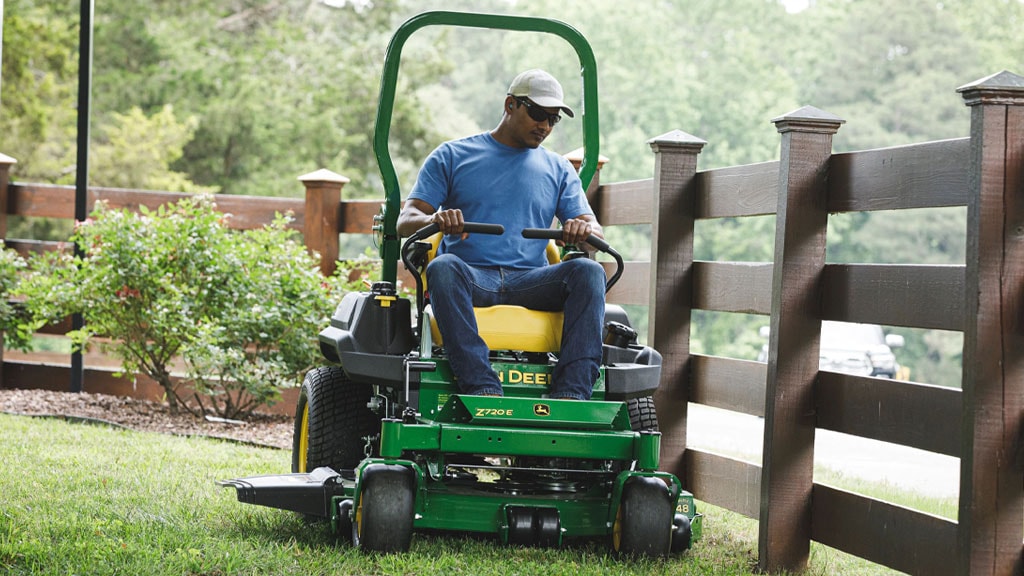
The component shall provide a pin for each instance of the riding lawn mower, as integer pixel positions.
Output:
(385, 445)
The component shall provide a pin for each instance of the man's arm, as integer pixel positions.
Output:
(416, 214)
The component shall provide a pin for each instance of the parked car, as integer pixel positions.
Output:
(860, 349)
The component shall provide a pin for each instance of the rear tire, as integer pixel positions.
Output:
(384, 514)
(643, 525)
(642, 414)
(332, 421)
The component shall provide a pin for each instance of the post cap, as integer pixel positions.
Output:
(1000, 88)
(677, 139)
(808, 119)
(323, 175)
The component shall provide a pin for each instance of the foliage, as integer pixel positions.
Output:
(136, 151)
(241, 308)
(266, 339)
(278, 88)
(37, 116)
(11, 267)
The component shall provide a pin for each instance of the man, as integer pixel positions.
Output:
(505, 177)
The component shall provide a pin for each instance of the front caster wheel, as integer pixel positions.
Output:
(384, 513)
(643, 525)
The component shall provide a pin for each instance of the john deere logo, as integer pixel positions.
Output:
(542, 410)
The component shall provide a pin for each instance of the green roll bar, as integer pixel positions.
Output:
(388, 224)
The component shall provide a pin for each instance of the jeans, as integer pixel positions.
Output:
(576, 287)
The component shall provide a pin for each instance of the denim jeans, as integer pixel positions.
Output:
(576, 287)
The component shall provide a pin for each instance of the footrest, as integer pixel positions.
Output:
(308, 494)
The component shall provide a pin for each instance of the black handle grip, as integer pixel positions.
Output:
(556, 234)
(468, 227)
(480, 228)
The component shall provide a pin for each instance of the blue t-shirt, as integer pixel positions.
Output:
(497, 184)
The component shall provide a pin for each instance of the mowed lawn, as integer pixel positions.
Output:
(84, 499)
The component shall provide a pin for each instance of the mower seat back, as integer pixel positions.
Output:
(506, 327)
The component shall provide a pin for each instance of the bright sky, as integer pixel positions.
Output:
(793, 6)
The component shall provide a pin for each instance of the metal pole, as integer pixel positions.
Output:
(82, 167)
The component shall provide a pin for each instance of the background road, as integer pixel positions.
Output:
(741, 436)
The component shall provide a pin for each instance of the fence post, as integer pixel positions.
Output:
(787, 472)
(5, 174)
(991, 520)
(671, 284)
(576, 158)
(322, 221)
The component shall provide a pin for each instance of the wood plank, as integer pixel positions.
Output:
(51, 201)
(26, 248)
(633, 287)
(733, 286)
(749, 190)
(887, 534)
(357, 216)
(41, 200)
(726, 482)
(27, 374)
(907, 413)
(629, 202)
(38, 376)
(919, 296)
(248, 212)
(737, 385)
(925, 175)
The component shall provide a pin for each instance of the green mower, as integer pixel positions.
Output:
(385, 445)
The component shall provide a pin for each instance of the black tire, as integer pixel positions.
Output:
(344, 529)
(384, 514)
(642, 414)
(643, 525)
(520, 526)
(332, 421)
(682, 533)
(548, 526)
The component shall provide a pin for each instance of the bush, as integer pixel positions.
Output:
(242, 309)
(11, 319)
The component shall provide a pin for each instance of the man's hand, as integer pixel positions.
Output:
(416, 214)
(449, 221)
(576, 230)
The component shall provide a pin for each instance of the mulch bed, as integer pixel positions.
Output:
(274, 431)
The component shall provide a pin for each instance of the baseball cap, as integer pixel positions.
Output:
(541, 88)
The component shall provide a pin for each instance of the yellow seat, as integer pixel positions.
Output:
(505, 327)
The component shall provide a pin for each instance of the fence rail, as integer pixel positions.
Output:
(981, 423)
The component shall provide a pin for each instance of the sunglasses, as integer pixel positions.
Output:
(538, 114)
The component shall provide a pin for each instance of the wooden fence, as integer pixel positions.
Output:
(981, 423)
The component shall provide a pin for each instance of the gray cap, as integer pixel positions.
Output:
(541, 88)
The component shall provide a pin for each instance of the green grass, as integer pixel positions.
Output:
(81, 499)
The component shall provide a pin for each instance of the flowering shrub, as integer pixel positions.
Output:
(241, 309)
(11, 266)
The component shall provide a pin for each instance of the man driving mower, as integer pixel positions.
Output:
(505, 177)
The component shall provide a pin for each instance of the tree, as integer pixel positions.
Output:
(278, 88)
(136, 151)
(39, 82)
(889, 69)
